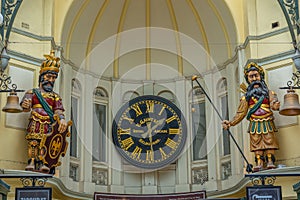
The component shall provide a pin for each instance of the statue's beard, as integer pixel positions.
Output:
(257, 92)
(47, 86)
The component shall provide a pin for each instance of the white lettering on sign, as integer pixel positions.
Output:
(32, 198)
(261, 197)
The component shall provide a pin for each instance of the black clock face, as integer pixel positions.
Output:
(149, 132)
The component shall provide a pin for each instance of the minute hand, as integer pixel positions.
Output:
(160, 122)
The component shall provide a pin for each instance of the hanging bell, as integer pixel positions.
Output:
(291, 105)
(12, 105)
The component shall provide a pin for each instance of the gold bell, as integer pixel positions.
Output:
(291, 105)
(12, 105)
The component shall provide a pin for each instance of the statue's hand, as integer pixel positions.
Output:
(276, 105)
(225, 124)
(62, 126)
(26, 105)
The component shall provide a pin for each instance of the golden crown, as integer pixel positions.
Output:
(253, 64)
(51, 63)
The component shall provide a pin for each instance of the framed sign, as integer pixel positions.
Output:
(264, 192)
(37, 193)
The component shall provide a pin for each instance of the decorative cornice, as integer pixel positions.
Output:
(37, 37)
(25, 57)
(261, 37)
(261, 61)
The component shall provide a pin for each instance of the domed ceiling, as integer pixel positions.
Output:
(148, 39)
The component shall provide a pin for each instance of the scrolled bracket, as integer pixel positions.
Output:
(6, 84)
(9, 9)
(292, 8)
(294, 83)
(33, 182)
(263, 180)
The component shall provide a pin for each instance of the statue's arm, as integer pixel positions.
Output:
(239, 116)
(241, 112)
(274, 103)
(26, 102)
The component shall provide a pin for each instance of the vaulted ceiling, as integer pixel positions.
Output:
(148, 39)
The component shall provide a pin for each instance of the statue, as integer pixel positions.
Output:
(46, 119)
(257, 104)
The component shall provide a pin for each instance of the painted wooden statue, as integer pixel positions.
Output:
(257, 105)
(47, 129)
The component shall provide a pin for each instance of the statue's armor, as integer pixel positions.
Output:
(261, 127)
(39, 121)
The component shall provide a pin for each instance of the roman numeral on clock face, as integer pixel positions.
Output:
(171, 143)
(127, 143)
(136, 152)
(163, 153)
(137, 110)
(174, 131)
(150, 106)
(149, 155)
(170, 119)
(124, 131)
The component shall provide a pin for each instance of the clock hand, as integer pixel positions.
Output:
(150, 141)
(150, 129)
(160, 122)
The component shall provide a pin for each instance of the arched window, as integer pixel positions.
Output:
(225, 138)
(129, 95)
(74, 146)
(75, 99)
(99, 148)
(223, 99)
(167, 95)
(198, 116)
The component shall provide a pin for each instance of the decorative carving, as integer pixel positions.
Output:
(295, 83)
(291, 5)
(6, 83)
(99, 177)
(32, 181)
(226, 170)
(263, 180)
(200, 176)
(9, 12)
(74, 172)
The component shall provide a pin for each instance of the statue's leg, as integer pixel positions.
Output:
(43, 167)
(32, 154)
(259, 160)
(270, 158)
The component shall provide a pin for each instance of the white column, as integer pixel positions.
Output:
(116, 179)
(233, 102)
(65, 94)
(85, 136)
(182, 172)
(212, 157)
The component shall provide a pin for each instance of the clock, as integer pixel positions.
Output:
(149, 132)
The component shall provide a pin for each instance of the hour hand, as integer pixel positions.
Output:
(149, 130)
